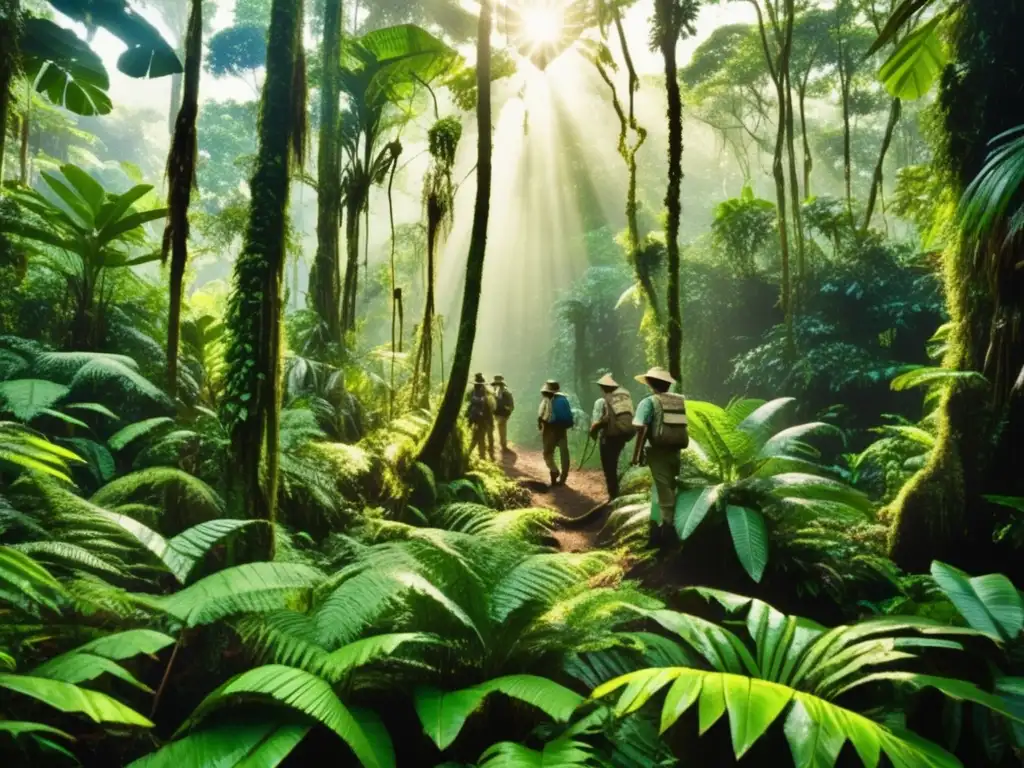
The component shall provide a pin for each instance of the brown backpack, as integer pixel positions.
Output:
(620, 414)
(669, 429)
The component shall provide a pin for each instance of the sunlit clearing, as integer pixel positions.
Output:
(542, 25)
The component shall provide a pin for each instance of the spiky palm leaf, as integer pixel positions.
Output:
(741, 467)
(794, 664)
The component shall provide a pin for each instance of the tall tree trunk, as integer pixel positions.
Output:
(10, 30)
(254, 310)
(876, 180)
(325, 277)
(425, 356)
(943, 513)
(26, 122)
(348, 304)
(181, 179)
(448, 413)
(844, 93)
(808, 158)
(673, 203)
(794, 189)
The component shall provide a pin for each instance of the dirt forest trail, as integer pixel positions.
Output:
(584, 491)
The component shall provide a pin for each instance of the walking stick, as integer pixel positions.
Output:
(591, 444)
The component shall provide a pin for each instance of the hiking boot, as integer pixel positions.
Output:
(563, 478)
(554, 479)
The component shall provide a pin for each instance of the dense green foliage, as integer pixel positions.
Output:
(239, 520)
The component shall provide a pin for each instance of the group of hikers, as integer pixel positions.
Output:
(658, 424)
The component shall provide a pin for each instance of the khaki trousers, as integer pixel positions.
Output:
(502, 424)
(481, 434)
(556, 437)
(664, 464)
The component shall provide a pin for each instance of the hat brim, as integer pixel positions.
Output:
(643, 377)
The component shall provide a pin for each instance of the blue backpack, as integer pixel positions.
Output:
(561, 412)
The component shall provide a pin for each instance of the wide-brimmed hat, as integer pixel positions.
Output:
(658, 374)
(498, 379)
(607, 381)
(550, 387)
(479, 379)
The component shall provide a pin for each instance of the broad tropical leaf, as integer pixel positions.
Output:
(229, 746)
(70, 698)
(120, 439)
(989, 604)
(560, 753)
(26, 398)
(64, 67)
(304, 693)
(916, 64)
(443, 714)
(750, 538)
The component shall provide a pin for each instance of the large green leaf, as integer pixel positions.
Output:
(361, 652)
(443, 714)
(253, 587)
(989, 604)
(750, 538)
(248, 745)
(148, 54)
(815, 728)
(985, 205)
(198, 541)
(560, 753)
(26, 398)
(692, 507)
(126, 435)
(64, 67)
(304, 693)
(19, 727)
(916, 63)
(70, 698)
(81, 667)
(125, 645)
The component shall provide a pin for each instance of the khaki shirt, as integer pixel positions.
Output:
(544, 412)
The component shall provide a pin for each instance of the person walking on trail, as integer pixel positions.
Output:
(504, 405)
(480, 415)
(554, 420)
(611, 424)
(661, 421)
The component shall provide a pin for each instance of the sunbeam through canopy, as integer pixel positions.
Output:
(541, 30)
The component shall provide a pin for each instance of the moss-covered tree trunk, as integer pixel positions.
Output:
(181, 178)
(254, 310)
(448, 412)
(325, 276)
(351, 286)
(10, 29)
(669, 38)
(794, 182)
(941, 513)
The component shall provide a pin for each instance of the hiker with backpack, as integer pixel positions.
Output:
(661, 421)
(612, 425)
(480, 415)
(504, 405)
(554, 420)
